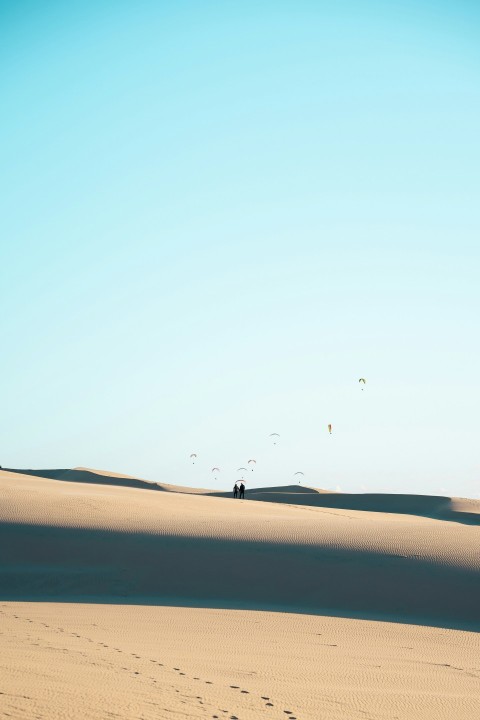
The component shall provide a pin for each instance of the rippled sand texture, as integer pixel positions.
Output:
(99, 583)
(102, 661)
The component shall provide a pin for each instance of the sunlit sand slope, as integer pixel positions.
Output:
(69, 660)
(72, 540)
(437, 506)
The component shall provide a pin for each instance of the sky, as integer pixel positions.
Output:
(216, 217)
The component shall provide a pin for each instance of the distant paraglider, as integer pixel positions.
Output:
(274, 436)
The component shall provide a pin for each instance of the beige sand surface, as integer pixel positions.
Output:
(102, 661)
(93, 577)
(82, 541)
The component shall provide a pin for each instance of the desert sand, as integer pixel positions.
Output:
(121, 598)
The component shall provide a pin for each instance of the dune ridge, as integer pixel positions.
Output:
(71, 540)
(465, 510)
(87, 475)
(186, 604)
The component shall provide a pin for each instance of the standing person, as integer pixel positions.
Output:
(235, 490)
(242, 491)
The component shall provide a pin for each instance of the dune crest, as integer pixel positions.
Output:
(464, 510)
(88, 540)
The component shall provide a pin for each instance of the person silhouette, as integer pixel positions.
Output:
(235, 490)
(242, 491)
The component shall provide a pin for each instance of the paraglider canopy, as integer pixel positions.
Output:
(274, 435)
(252, 461)
(330, 428)
(362, 381)
(192, 457)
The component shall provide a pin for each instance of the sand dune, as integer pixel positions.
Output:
(436, 506)
(119, 602)
(101, 541)
(86, 475)
(74, 660)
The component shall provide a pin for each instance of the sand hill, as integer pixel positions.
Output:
(103, 540)
(119, 601)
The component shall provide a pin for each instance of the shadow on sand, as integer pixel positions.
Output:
(431, 506)
(66, 565)
(90, 477)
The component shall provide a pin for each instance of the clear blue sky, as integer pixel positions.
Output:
(215, 217)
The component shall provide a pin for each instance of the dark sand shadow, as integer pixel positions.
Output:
(431, 506)
(66, 565)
